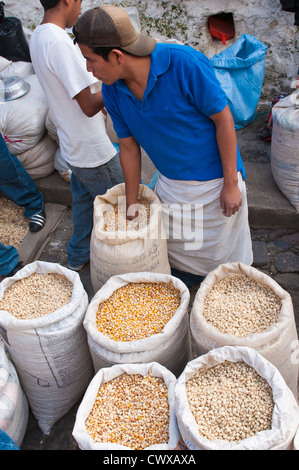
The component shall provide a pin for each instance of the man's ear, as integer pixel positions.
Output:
(117, 56)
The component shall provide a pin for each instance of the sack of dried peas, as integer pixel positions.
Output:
(140, 317)
(239, 305)
(232, 398)
(14, 410)
(120, 246)
(128, 406)
(42, 309)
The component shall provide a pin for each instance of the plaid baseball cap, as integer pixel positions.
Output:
(110, 26)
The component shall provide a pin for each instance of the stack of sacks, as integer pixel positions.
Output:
(22, 122)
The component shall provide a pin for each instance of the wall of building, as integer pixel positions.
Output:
(186, 21)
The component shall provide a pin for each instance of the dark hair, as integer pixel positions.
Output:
(105, 51)
(48, 4)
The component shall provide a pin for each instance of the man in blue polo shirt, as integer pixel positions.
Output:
(166, 99)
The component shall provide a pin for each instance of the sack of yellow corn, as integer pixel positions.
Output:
(140, 317)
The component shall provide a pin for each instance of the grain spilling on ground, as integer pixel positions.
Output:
(137, 310)
(230, 401)
(37, 295)
(115, 218)
(13, 223)
(130, 410)
(240, 305)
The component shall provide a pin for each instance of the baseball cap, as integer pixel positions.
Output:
(110, 26)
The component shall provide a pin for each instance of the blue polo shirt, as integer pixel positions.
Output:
(172, 122)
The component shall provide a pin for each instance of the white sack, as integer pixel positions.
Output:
(171, 347)
(39, 160)
(129, 251)
(80, 434)
(4, 63)
(277, 343)
(22, 121)
(285, 415)
(284, 147)
(14, 409)
(50, 353)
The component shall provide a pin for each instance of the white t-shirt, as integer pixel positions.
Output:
(61, 70)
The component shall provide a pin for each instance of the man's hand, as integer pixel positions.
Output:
(230, 200)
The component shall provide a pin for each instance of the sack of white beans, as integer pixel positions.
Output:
(139, 318)
(232, 398)
(126, 407)
(239, 305)
(42, 309)
(14, 409)
(119, 246)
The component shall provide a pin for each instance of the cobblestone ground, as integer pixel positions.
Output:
(276, 252)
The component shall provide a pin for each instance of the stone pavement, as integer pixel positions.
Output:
(275, 234)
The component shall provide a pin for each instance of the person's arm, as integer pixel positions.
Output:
(90, 103)
(130, 159)
(230, 196)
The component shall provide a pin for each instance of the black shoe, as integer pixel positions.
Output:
(16, 269)
(37, 221)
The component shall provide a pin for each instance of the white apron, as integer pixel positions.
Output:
(200, 237)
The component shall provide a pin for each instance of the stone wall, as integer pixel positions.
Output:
(186, 21)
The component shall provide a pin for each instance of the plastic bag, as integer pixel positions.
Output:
(14, 409)
(13, 44)
(240, 71)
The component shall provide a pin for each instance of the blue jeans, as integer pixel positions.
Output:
(16, 184)
(86, 184)
(9, 258)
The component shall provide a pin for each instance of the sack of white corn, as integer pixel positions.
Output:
(22, 121)
(284, 147)
(128, 407)
(14, 409)
(239, 305)
(39, 160)
(232, 398)
(120, 246)
(42, 309)
(139, 318)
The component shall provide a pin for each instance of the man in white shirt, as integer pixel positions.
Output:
(76, 113)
